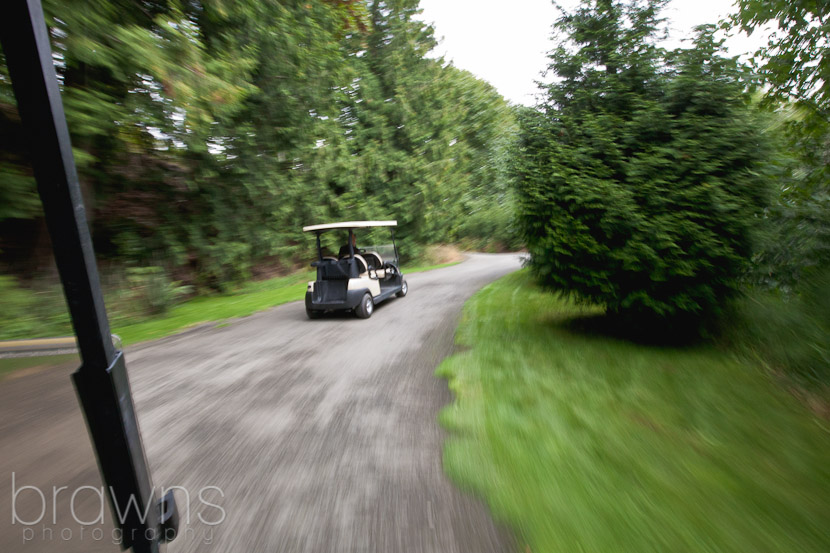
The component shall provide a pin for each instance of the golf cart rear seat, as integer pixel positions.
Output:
(330, 269)
(344, 269)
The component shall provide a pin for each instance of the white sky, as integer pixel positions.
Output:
(504, 41)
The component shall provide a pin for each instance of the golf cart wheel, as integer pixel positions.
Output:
(366, 306)
(404, 289)
(312, 314)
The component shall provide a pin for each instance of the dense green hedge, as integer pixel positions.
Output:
(641, 176)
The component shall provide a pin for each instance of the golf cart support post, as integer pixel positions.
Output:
(101, 382)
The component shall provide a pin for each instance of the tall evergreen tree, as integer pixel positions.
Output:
(639, 175)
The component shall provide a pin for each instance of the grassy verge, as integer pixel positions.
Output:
(253, 297)
(586, 443)
(132, 328)
(250, 298)
(422, 268)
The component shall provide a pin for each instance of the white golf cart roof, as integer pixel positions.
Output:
(350, 224)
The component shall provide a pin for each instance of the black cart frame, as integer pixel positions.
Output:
(101, 382)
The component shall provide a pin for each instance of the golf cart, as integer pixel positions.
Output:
(358, 277)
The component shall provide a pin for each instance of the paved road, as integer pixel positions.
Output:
(321, 435)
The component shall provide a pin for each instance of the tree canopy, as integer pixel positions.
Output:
(794, 61)
(207, 133)
(794, 69)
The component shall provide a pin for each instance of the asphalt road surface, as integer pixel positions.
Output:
(284, 434)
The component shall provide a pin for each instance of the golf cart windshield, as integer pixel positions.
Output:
(385, 251)
(378, 240)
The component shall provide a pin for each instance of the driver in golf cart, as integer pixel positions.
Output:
(344, 249)
(356, 280)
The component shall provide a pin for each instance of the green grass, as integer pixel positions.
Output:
(246, 300)
(250, 298)
(421, 268)
(586, 443)
(8, 366)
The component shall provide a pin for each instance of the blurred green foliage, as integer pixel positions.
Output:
(793, 62)
(788, 333)
(207, 133)
(151, 287)
(794, 245)
(28, 312)
(793, 66)
(642, 175)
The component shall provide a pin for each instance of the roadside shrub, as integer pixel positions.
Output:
(31, 313)
(16, 305)
(224, 263)
(639, 189)
(796, 242)
(152, 290)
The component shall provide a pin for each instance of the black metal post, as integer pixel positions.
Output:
(319, 248)
(29, 58)
(395, 247)
(101, 382)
